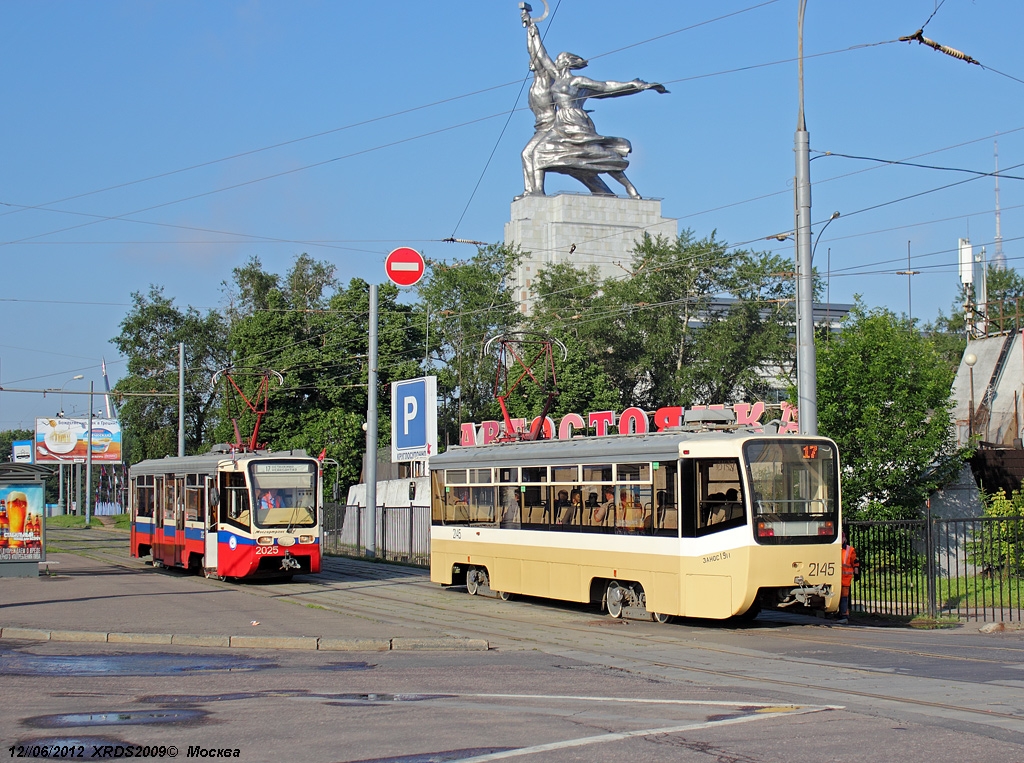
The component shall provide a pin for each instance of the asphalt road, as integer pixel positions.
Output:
(558, 682)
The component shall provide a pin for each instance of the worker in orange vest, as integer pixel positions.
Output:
(851, 568)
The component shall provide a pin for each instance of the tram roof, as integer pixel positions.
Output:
(205, 463)
(646, 447)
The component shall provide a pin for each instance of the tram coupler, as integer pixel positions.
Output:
(289, 562)
(814, 596)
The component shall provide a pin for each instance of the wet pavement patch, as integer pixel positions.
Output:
(346, 666)
(438, 757)
(340, 699)
(344, 700)
(116, 718)
(158, 664)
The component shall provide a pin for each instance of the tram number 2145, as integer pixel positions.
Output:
(821, 568)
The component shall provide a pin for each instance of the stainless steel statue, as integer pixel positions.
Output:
(565, 139)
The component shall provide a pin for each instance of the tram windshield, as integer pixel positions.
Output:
(284, 493)
(795, 490)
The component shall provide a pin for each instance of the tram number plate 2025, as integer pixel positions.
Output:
(266, 550)
(821, 568)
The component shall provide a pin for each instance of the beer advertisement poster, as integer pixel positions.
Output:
(21, 523)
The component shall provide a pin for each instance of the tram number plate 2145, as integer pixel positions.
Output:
(821, 568)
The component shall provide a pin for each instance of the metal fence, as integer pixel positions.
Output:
(966, 568)
(402, 533)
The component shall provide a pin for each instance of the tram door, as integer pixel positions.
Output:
(168, 535)
(212, 509)
(179, 522)
(157, 549)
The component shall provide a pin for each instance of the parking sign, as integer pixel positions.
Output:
(413, 419)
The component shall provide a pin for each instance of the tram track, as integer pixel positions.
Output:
(356, 588)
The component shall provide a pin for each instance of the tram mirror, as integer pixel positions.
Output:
(214, 496)
(334, 493)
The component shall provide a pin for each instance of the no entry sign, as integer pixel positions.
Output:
(404, 266)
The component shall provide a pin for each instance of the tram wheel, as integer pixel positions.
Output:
(475, 577)
(613, 597)
(662, 618)
(504, 595)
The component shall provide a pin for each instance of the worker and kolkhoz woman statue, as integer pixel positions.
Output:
(565, 139)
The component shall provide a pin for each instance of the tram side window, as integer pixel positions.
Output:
(719, 495)
(510, 501)
(481, 506)
(598, 498)
(536, 511)
(234, 502)
(437, 497)
(145, 496)
(195, 498)
(169, 500)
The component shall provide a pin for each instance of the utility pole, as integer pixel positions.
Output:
(181, 399)
(88, 462)
(806, 363)
(371, 432)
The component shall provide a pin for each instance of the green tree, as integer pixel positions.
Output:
(1005, 289)
(468, 303)
(316, 336)
(149, 339)
(1000, 547)
(884, 397)
(7, 439)
(690, 323)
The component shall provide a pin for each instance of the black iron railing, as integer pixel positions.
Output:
(967, 568)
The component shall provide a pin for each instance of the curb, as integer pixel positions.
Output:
(308, 643)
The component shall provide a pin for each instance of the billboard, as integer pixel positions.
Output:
(21, 523)
(61, 441)
(413, 419)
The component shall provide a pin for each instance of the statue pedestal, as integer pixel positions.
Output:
(603, 228)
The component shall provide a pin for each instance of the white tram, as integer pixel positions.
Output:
(710, 524)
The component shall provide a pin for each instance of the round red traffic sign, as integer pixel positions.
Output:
(404, 266)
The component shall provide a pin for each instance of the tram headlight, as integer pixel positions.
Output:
(305, 539)
(265, 540)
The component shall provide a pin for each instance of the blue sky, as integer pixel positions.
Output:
(165, 142)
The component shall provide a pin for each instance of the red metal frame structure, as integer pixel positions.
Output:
(253, 405)
(523, 352)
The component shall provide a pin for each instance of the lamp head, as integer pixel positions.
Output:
(970, 358)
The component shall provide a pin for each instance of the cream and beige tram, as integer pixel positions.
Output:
(707, 524)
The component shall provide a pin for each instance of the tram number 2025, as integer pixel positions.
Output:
(272, 550)
(822, 568)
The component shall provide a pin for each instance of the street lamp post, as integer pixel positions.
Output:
(970, 359)
(62, 386)
(62, 499)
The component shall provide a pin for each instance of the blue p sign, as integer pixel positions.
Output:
(413, 418)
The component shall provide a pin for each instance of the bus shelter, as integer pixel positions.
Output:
(22, 519)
